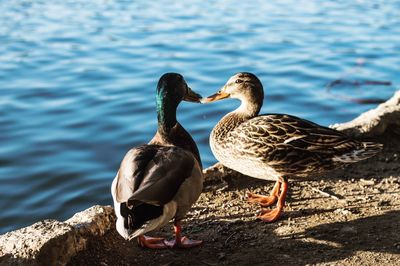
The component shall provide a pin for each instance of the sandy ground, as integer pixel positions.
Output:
(359, 224)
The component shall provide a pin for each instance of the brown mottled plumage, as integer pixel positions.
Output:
(276, 146)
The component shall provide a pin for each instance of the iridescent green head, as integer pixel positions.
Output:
(171, 90)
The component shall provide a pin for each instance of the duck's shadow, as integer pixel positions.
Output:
(258, 243)
(376, 233)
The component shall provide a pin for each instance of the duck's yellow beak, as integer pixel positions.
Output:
(215, 97)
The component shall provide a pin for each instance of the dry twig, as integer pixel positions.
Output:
(326, 194)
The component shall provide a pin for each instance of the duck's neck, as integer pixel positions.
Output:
(166, 115)
(246, 111)
(170, 132)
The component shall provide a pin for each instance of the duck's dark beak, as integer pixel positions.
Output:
(191, 96)
(215, 97)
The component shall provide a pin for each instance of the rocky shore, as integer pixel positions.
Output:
(350, 216)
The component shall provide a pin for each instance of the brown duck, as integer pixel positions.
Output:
(276, 146)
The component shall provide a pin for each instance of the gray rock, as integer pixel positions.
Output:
(51, 242)
(375, 121)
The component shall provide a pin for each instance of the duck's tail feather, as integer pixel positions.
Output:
(365, 151)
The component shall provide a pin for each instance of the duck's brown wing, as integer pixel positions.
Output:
(152, 174)
(289, 143)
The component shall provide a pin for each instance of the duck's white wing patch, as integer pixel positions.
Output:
(368, 149)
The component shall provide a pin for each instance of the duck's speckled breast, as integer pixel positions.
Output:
(225, 153)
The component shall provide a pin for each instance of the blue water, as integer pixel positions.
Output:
(77, 81)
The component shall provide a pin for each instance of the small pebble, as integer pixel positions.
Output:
(221, 255)
(383, 203)
(349, 229)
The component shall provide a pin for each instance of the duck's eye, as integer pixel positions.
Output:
(239, 81)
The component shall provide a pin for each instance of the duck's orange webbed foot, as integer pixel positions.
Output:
(265, 201)
(181, 242)
(270, 216)
(151, 242)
